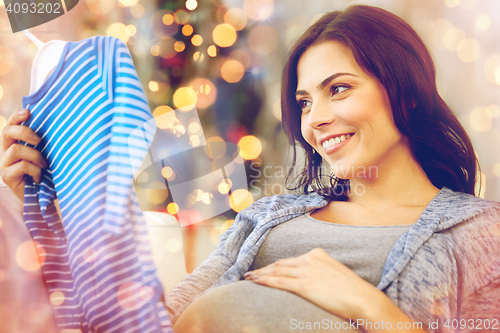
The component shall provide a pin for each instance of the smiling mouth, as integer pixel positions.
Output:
(337, 139)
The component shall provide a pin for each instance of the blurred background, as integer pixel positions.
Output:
(226, 57)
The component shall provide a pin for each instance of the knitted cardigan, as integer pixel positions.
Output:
(446, 268)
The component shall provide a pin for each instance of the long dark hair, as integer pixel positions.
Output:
(386, 47)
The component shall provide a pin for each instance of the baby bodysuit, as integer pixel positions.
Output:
(96, 262)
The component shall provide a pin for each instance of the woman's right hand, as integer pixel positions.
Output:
(17, 160)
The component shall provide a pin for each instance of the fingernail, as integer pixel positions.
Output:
(23, 112)
(256, 277)
(247, 274)
(35, 137)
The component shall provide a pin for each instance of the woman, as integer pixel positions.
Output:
(359, 93)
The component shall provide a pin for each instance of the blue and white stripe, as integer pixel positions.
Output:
(98, 256)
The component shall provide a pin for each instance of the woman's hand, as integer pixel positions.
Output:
(16, 160)
(319, 278)
(324, 281)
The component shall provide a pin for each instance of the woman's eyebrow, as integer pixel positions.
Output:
(325, 82)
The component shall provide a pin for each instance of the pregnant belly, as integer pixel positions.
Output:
(245, 306)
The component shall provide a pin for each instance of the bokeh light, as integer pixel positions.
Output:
(147, 293)
(479, 119)
(212, 51)
(27, 257)
(258, 9)
(215, 147)
(128, 3)
(232, 71)
(100, 7)
(166, 47)
(452, 3)
(157, 192)
(226, 225)
(224, 186)
(194, 140)
(483, 22)
(206, 198)
(250, 147)
(224, 35)
(467, 4)
(240, 200)
(452, 37)
(56, 298)
(153, 86)
(298, 25)
(187, 30)
(179, 130)
(165, 117)
(191, 4)
(215, 234)
(237, 18)
(206, 92)
(168, 173)
(198, 56)
(118, 30)
(172, 208)
(184, 98)
(496, 169)
(194, 127)
(90, 255)
(263, 39)
(32, 49)
(492, 69)
(155, 50)
(242, 57)
(468, 50)
(128, 294)
(197, 40)
(492, 111)
(142, 177)
(167, 19)
(131, 30)
(181, 17)
(137, 11)
(173, 245)
(179, 46)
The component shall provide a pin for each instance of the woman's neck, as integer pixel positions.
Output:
(397, 183)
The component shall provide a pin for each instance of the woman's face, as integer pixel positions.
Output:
(340, 102)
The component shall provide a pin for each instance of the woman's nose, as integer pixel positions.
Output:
(319, 115)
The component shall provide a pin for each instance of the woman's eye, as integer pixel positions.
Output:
(304, 103)
(339, 89)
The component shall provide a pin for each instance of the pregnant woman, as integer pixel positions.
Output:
(392, 239)
(395, 240)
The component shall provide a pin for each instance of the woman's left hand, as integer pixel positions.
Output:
(322, 280)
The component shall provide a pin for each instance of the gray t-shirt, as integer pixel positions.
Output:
(246, 306)
(363, 249)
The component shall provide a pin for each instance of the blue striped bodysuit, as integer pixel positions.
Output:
(96, 262)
